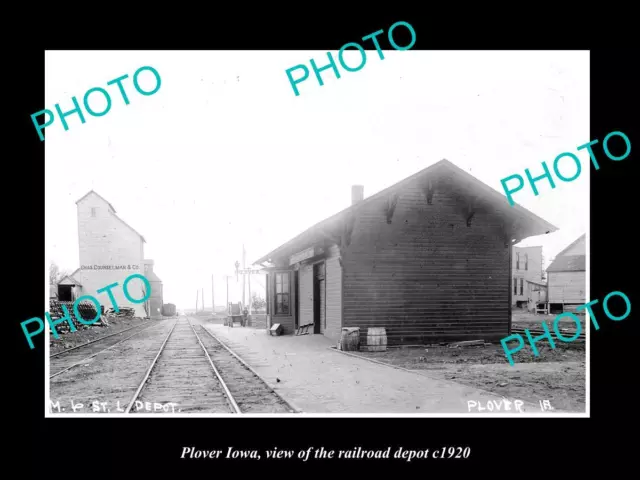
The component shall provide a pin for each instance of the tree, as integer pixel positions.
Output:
(146, 303)
(257, 302)
(55, 274)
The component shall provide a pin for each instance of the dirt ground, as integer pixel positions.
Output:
(110, 377)
(557, 375)
(85, 334)
(182, 380)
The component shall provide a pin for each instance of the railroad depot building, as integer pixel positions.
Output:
(110, 250)
(429, 259)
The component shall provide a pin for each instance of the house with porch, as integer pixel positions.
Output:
(429, 259)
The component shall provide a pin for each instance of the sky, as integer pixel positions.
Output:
(225, 154)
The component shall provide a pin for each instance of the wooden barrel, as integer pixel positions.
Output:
(376, 339)
(350, 339)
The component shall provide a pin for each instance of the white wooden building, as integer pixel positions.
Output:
(567, 277)
(526, 268)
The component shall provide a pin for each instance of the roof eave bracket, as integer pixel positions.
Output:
(392, 202)
(428, 191)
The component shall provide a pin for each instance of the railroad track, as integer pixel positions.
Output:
(63, 361)
(251, 392)
(198, 374)
(184, 374)
(538, 332)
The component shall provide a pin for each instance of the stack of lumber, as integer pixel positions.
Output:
(86, 309)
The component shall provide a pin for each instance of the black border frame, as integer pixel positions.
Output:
(124, 448)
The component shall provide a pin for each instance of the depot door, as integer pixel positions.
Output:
(319, 292)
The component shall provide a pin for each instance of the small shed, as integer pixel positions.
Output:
(68, 289)
(536, 295)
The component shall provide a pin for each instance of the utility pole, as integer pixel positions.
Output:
(227, 277)
(203, 299)
(213, 298)
(250, 299)
(244, 276)
(197, 300)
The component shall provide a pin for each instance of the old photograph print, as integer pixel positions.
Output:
(234, 248)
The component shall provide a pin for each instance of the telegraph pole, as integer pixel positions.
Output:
(244, 276)
(197, 300)
(250, 299)
(203, 299)
(213, 299)
(227, 277)
(237, 265)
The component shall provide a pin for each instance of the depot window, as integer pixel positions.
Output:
(282, 295)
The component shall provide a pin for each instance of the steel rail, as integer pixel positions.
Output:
(270, 387)
(232, 400)
(98, 340)
(582, 336)
(146, 377)
(101, 351)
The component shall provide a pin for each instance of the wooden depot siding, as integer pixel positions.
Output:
(567, 287)
(333, 284)
(427, 276)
